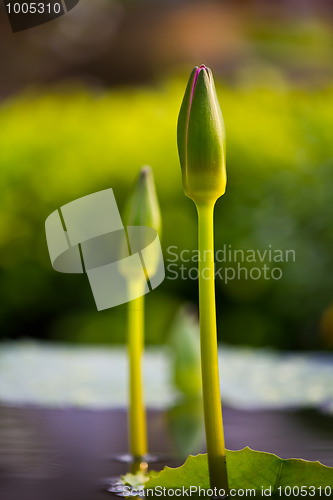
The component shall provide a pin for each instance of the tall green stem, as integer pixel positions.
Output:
(209, 352)
(137, 412)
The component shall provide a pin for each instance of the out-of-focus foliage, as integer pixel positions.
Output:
(60, 145)
(184, 338)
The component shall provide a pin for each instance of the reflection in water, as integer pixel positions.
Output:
(185, 425)
(185, 428)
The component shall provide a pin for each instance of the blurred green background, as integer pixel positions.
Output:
(87, 99)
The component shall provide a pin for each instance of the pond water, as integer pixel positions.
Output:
(63, 417)
(69, 453)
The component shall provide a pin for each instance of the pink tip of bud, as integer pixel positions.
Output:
(195, 81)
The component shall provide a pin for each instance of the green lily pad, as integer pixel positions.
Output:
(251, 470)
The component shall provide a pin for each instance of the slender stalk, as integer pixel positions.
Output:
(137, 412)
(209, 352)
(142, 210)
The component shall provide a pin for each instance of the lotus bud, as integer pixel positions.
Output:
(201, 139)
(143, 211)
(143, 208)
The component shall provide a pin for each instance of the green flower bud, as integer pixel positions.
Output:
(201, 139)
(143, 208)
